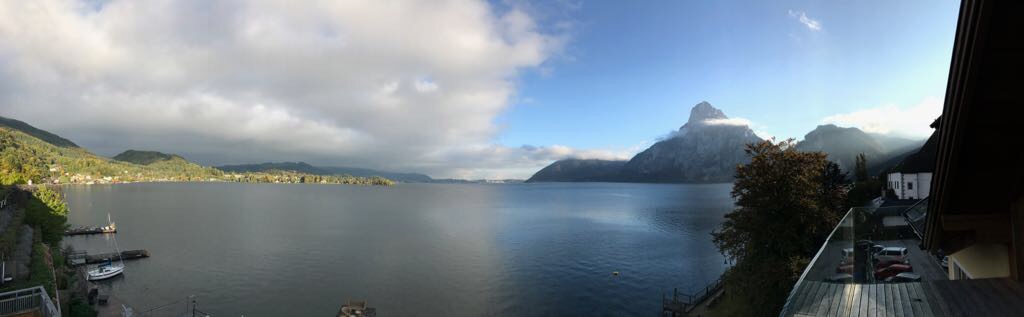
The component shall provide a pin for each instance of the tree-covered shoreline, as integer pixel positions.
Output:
(25, 159)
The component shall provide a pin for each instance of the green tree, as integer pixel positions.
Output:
(787, 203)
(47, 211)
(865, 188)
(833, 187)
(861, 168)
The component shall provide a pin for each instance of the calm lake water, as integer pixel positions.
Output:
(410, 249)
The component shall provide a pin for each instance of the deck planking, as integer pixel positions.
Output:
(904, 300)
(921, 299)
(854, 300)
(981, 297)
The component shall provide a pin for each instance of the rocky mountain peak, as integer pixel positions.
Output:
(701, 152)
(704, 111)
(827, 128)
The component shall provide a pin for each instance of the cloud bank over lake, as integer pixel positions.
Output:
(393, 85)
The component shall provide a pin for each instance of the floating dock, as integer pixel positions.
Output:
(356, 309)
(685, 304)
(112, 228)
(81, 258)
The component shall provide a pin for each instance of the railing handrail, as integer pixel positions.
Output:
(815, 260)
(700, 295)
(20, 292)
(45, 305)
(912, 222)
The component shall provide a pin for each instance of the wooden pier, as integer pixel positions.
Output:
(684, 304)
(356, 309)
(112, 228)
(82, 258)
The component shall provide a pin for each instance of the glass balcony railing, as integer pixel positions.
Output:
(915, 217)
(869, 246)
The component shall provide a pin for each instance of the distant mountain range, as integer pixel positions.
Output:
(160, 161)
(577, 170)
(303, 167)
(844, 144)
(40, 156)
(706, 149)
(710, 146)
(919, 160)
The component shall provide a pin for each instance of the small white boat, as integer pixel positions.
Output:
(109, 269)
(105, 271)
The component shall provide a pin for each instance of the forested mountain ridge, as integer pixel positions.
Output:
(25, 158)
(579, 170)
(843, 144)
(43, 135)
(146, 157)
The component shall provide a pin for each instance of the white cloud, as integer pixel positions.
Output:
(728, 121)
(765, 135)
(801, 16)
(381, 84)
(911, 121)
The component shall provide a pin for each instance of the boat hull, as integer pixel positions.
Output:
(105, 273)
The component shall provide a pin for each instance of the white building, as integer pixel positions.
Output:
(912, 177)
(910, 185)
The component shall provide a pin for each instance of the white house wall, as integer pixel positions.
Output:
(894, 182)
(909, 193)
(921, 185)
(925, 181)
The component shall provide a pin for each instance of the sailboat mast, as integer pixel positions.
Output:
(116, 248)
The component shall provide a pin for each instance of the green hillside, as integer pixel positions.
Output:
(145, 157)
(25, 158)
(36, 132)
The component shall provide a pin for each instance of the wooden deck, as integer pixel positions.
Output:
(82, 258)
(88, 230)
(982, 297)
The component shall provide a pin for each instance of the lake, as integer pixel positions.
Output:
(410, 249)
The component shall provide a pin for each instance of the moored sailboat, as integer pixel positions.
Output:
(109, 269)
(105, 271)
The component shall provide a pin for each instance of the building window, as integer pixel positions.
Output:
(910, 185)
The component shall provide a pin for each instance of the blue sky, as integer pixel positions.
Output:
(630, 73)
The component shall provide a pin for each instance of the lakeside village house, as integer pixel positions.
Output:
(912, 177)
(906, 187)
(903, 182)
(910, 184)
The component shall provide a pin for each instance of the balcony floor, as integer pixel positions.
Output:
(924, 264)
(981, 297)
